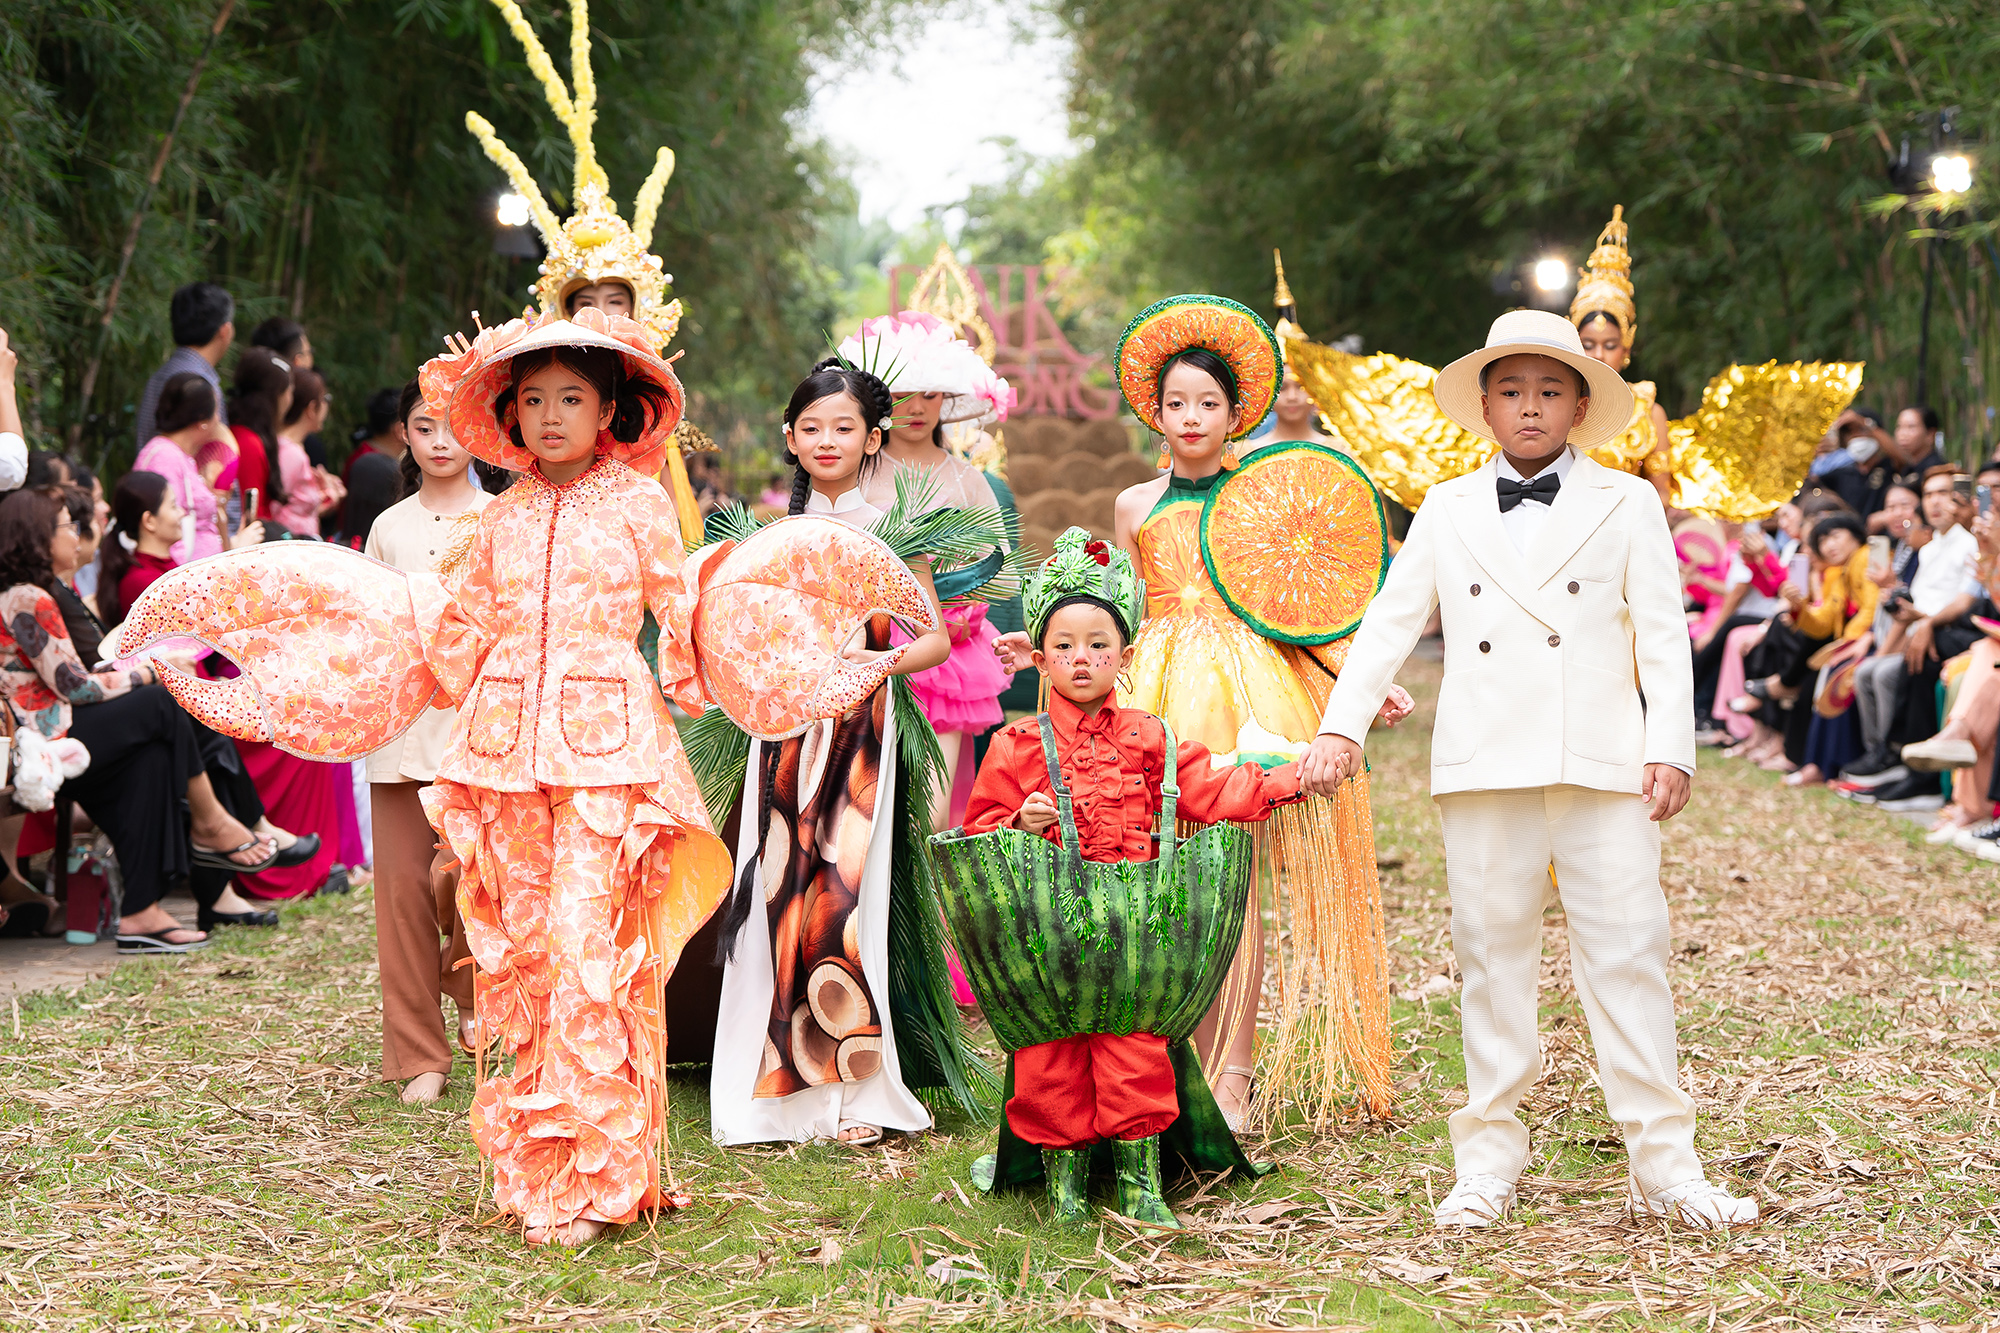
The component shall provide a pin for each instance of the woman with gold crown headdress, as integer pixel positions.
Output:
(594, 259)
(1743, 453)
(1295, 414)
(1607, 319)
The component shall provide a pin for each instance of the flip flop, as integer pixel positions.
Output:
(208, 856)
(157, 942)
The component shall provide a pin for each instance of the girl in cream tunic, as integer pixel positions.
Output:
(416, 885)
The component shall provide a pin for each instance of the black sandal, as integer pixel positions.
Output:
(205, 856)
(157, 942)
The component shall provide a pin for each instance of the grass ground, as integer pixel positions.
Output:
(203, 1144)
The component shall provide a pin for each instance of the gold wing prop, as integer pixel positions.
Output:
(1381, 408)
(1747, 449)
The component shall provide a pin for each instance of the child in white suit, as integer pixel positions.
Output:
(1563, 739)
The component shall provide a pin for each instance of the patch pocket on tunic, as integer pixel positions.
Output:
(496, 716)
(593, 714)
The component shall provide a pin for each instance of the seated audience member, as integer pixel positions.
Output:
(1843, 609)
(1896, 692)
(145, 512)
(144, 757)
(1750, 597)
(1966, 741)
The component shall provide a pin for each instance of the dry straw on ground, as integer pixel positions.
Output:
(204, 1144)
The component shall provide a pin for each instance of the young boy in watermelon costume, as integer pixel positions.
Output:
(1071, 1097)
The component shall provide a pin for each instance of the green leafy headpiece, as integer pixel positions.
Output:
(1083, 566)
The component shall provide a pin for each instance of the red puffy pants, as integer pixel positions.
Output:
(1081, 1089)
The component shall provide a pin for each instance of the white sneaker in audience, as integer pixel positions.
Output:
(1936, 755)
(1972, 837)
(1477, 1200)
(1695, 1203)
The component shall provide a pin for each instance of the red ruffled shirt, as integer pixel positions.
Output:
(1113, 763)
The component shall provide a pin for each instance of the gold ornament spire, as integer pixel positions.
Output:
(594, 245)
(945, 290)
(1606, 284)
(1288, 309)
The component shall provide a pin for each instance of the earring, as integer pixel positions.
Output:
(1229, 456)
(1166, 458)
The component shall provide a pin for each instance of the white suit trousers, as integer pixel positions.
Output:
(1499, 846)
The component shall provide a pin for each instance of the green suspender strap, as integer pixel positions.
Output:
(1170, 796)
(1056, 946)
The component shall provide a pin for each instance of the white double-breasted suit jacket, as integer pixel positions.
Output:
(1567, 664)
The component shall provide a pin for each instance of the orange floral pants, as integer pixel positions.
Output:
(565, 894)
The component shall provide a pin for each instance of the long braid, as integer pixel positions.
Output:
(801, 487)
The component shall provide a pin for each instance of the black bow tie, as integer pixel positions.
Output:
(1542, 489)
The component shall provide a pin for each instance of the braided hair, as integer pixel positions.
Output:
(829, 378)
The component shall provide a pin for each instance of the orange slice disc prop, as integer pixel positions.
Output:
(1297, 542)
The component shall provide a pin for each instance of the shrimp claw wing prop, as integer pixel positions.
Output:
(325, 637)
(776, 610)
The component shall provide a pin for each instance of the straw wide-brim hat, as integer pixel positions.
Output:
(471, 415)
(1540, 333)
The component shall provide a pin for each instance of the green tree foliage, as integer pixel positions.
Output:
(324, 172)
(1409, 157)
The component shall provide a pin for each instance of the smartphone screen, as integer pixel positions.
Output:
(1963, 485)
(1799, 571)
(1879, 554)
(1985, 494)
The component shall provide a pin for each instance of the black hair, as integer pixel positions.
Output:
(186, 399)
(197, 312)
(385, 409)
(262, 376)
(281, 335)
(27, 526)
(1991, 465)
(1837, 520)
(137, 495)
(1203, 360)
(1931, 419)
(1596, 315)
(374, 483)
(830, 377)
(80, 476)
(1084, 599)
(636, 403)
(82, 509)
(49, 469)
(1582, 380)
(308, 387)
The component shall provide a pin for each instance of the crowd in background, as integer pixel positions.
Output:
(222, 462)
(1849, 641)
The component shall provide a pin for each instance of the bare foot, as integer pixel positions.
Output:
(232, 901)
(580, 1232)
(155, 921)
(1809, 776)
(360, 877)
(468, 1034)
(424, 1089)
(266, 829)
(1232, 1094)
(859, 1135)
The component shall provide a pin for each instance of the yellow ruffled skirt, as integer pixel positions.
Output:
(1327, 1042)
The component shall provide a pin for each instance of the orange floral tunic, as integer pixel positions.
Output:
(587, 856)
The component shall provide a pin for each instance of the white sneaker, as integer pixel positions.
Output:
(1936, 756)
(1477, 1200)
(1696, 1203)
(1943, 834)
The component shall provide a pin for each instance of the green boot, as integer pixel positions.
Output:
(1068, 1173)
(1139, 1182)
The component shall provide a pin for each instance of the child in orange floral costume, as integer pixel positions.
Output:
(587, 856)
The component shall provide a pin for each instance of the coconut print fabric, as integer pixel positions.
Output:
(825, 1021)
(576, 904)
